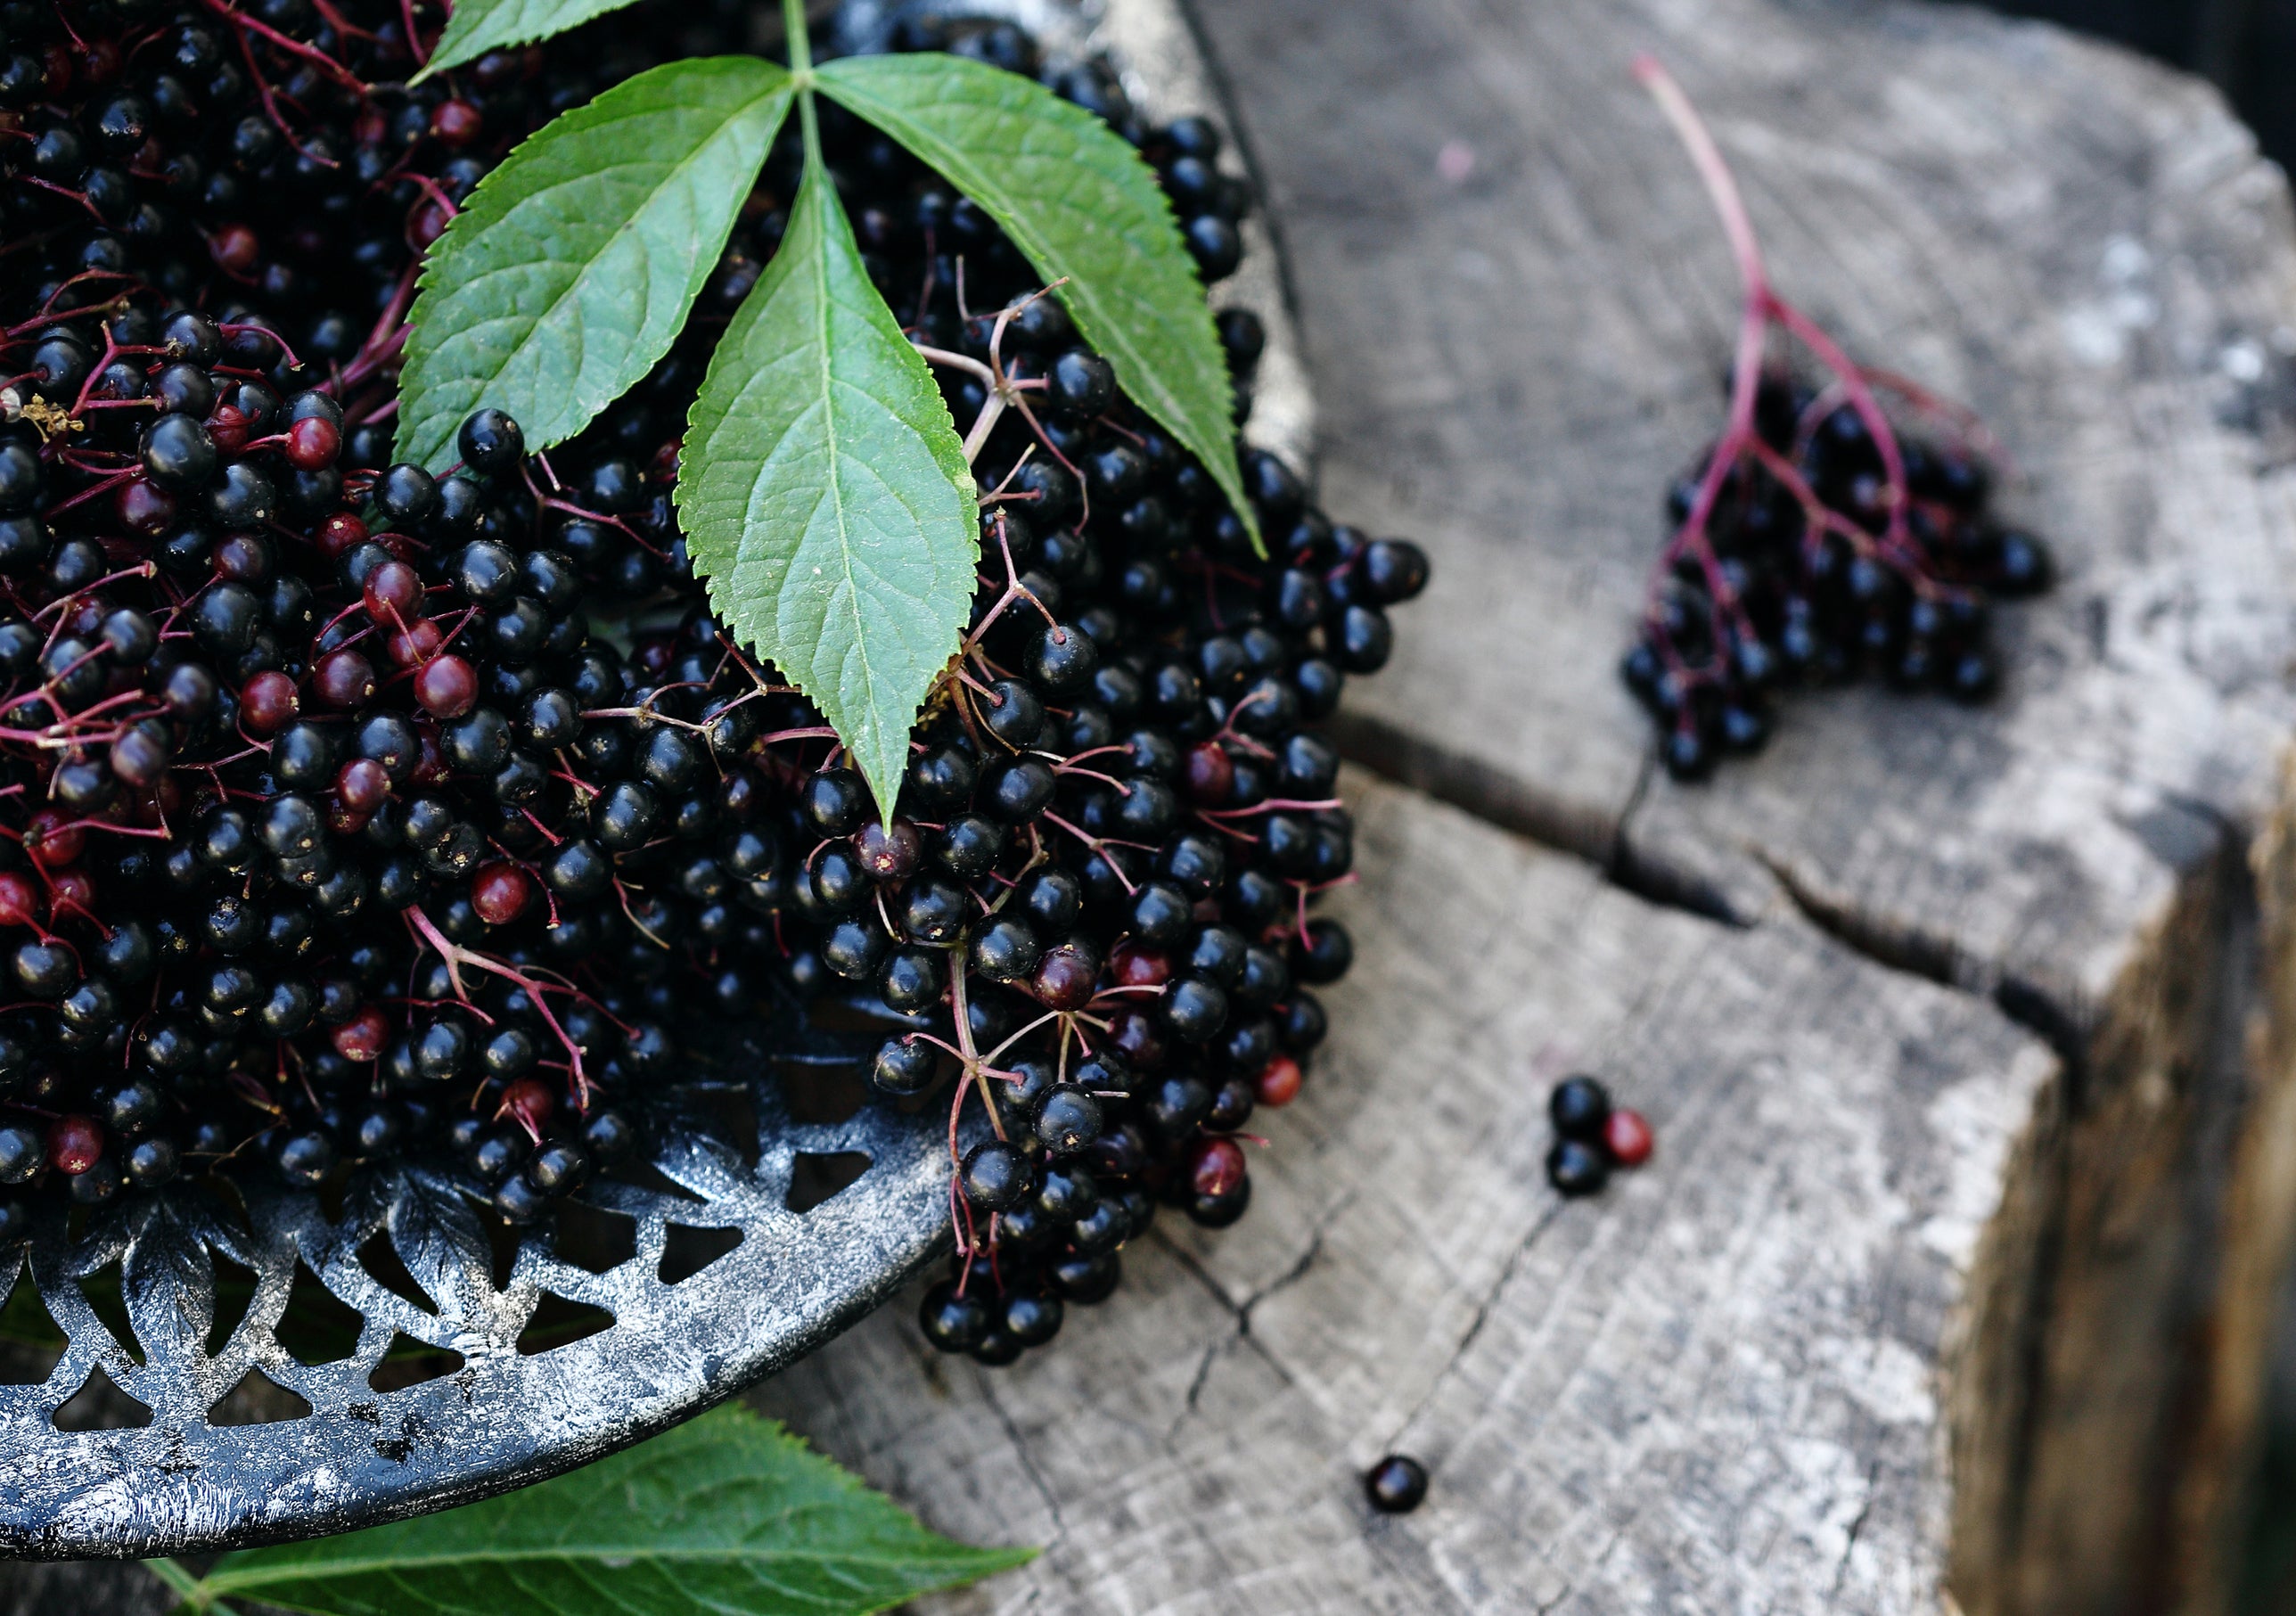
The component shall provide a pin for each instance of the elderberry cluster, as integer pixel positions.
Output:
(347, 811)
(1809, 568)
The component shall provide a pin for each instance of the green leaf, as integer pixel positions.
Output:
(1082, 204)
(726, 1514)
(479, 26)
(824, 492)
(571, 269)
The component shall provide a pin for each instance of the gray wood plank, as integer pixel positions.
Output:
(1724, 1384)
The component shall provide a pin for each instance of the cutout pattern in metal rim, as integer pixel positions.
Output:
(506, 1416)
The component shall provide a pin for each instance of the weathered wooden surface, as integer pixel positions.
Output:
(1713, 1389)
(1676, 1399)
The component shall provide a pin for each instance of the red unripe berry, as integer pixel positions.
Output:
(313, 444)
(343, 678)
(1215, 1166)
(446, 687)
(99, 60)
(500, 893)
(71, 892)
(75, 1144)
(456, 123)
(236, 248)
(1626, 1136)
(53, 839)
(267, 704)
(227, 425)
(244, 558)
(1279, 1081)
(362, 783)
(529, 1102)
(20, 900)
(365, 1036)
(1212, 776)
(340, 534)
(430, 762)
(417, 642)
(1138, 967)
(393, 589)
(1066, 977)
(426, 224)
(145, 507)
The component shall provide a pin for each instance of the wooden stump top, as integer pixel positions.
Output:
(1961, 1030)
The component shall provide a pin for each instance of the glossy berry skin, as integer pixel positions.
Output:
(1580, 1107)
(1396, 1485)
(490, 441)
(501, 893)
(1627, 1137)
(1576, 1168)
(954, 1322)
(1279, 1081)
(996, 1175)
(75, 1144)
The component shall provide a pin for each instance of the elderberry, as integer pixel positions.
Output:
(358, 719)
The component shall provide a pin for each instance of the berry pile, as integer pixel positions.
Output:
(1593, 1137)
(1815, 541)
(1801, 569)
(347, 811)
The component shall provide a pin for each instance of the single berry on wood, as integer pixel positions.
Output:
(1396, 1485)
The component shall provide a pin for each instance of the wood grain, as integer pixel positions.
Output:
(1715, 1387)
(1510, 367)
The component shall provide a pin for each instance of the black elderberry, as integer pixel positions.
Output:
(995, 1175)
(1396, 1485)
(1575, 1167)
(951, 1322)
(1061, 657)
(1005, 950)
(491, 442)
(1579, 1107)
(1325, 954)
(1032, 1320)
(1067, 1120)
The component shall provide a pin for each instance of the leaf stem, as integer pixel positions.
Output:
(800, 56)
(196, 1597)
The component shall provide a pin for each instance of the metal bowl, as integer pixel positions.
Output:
(455, 1374)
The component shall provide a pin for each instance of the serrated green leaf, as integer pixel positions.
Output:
(479, 26)
(570, 270)
(1080, 203)
(825, 492)
(726, 1514)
